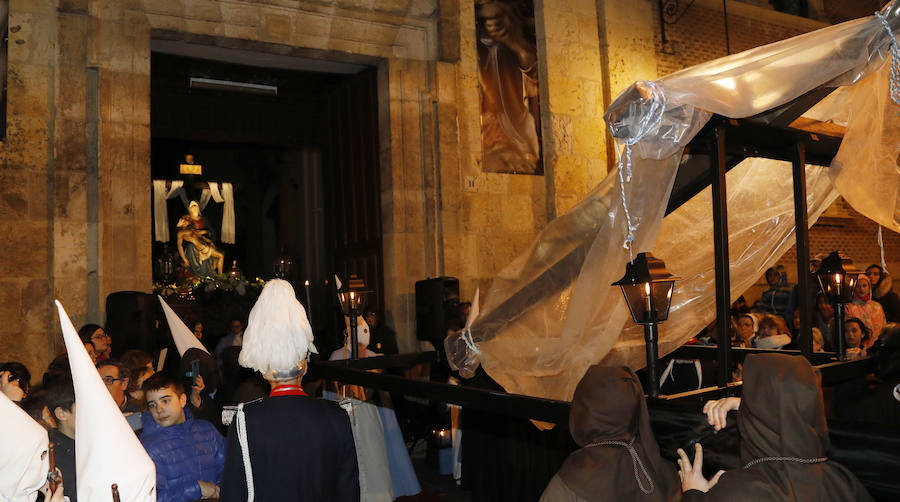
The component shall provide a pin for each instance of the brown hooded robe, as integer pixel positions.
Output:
(609, 405)
(782, 414)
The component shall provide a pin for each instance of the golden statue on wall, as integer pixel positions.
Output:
(195, 244)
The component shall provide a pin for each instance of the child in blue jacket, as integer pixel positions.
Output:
(189, 453)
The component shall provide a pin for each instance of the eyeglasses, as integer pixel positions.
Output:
(99, 335)
(108, 380)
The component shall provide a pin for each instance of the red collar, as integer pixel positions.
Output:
(287, 390)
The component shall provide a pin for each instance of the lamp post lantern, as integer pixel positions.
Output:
(283, 266)
(353, 301)
(647, 287)
(837, 278)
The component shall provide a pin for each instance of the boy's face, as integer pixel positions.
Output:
(166, 406)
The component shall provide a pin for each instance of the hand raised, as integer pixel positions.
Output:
(692, 474)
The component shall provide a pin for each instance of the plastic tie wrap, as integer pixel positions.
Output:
(462, 350)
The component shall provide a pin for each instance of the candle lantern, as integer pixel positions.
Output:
(647, 287)
(235, 272)
(837, 278)
(283, 266)
(353, 300)
(166, 266)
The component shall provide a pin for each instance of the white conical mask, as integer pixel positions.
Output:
(23, 454)
(363, 333)
(184, 338)
(108, 451)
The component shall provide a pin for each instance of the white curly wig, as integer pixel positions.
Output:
(278, 335)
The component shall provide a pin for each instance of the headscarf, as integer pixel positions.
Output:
(784, 438)
(863, 298)
(608, 406)
(868, 311)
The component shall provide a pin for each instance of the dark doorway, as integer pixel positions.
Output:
(303, 163)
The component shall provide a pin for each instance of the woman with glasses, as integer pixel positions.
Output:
(96, 335)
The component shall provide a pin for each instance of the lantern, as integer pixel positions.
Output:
(647, 287)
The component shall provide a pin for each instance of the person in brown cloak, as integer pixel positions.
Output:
(784, 439)
(619, 458)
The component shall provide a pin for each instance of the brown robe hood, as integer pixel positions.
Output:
(782, 415)
(609, 405)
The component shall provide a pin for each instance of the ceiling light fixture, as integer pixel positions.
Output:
(213, 84)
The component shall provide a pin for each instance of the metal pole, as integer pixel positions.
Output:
(720, 239)
(354, 338)
(801, 226)
(662, 22)
(725, 16)
(839, 330)
(651, 341)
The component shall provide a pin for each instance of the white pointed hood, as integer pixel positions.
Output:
(23, 455)
(363, 332)
(108, 451)
(184, 337)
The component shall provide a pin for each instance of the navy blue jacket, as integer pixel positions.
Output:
(301, 449)
(183, 454)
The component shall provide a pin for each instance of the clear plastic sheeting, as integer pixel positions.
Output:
(760, 228)
(552, 312)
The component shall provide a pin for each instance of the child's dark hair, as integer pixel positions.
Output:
(18, 373)
(60, 394)
(161, 381)
(134, 358)
(767, 322)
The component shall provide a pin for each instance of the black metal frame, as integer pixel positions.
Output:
(546, 410)
(727, 142)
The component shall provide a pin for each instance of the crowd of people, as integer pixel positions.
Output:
(218, 426)
(773, 322)
(254, 375)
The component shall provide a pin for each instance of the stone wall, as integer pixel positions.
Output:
(75, 173)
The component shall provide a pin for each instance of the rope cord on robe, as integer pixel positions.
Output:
(245, 450)
(635, 461)
(648, 123)
(786, 459)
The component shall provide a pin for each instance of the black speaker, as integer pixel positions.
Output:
(131, 321)
(433, 299)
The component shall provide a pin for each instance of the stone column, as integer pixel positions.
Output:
(26, 189)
